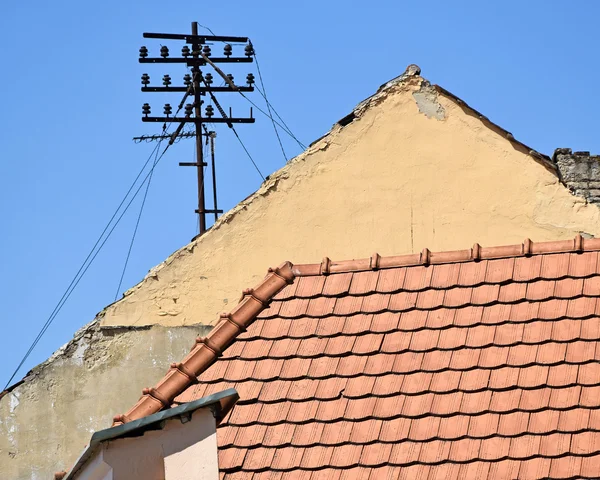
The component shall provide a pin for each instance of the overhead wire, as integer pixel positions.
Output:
(161, 137)
(211, 32)
(286, 129)
(269, 106)
(230, 125)
(137, 223)
(248, 153)
(52, 314)
(90, 257)
(97, 245)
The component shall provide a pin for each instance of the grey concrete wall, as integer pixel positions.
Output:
(46, 421)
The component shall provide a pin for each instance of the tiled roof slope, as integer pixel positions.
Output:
(481, 363)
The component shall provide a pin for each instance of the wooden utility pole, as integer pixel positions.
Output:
(197, 86)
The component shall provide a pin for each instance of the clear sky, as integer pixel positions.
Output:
(71, 104)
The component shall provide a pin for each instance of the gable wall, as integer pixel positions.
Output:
(392, 181)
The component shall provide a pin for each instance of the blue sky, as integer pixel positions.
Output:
(71, 104)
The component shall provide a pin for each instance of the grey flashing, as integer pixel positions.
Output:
(220, 403)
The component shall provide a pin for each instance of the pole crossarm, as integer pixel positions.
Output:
(199, 120)
(202, 89)
(196, 62)
(196, 38)
(150, 138)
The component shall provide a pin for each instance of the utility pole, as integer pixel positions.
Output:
(198, 112)
(196, 86)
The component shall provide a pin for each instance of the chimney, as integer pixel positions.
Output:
(580, 172)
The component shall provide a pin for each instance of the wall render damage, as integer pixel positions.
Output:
(47, 418)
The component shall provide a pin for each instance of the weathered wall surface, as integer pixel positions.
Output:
(409, 169)
(580, 172)
(412, 170)
(46, 422)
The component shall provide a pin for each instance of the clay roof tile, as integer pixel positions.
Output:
(479, 363)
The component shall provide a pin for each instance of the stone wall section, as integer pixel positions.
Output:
(580, 172)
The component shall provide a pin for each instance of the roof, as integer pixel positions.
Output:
(479, 363)
(220, 402)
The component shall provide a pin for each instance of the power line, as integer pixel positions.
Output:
(286, 129)
(137, 224)
(230, 125)
(248, 153)
(52, 315)
(90, 258)
(269, 106)
(211, 32)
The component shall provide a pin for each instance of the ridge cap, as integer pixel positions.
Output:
(477, 253)
(207, 349)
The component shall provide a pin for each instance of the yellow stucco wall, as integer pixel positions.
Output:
(393, 181)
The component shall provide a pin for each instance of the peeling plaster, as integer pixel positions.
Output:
(46, 419)
(427, 101)
(14, 402)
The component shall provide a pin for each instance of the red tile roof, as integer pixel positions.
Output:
(481, 363)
